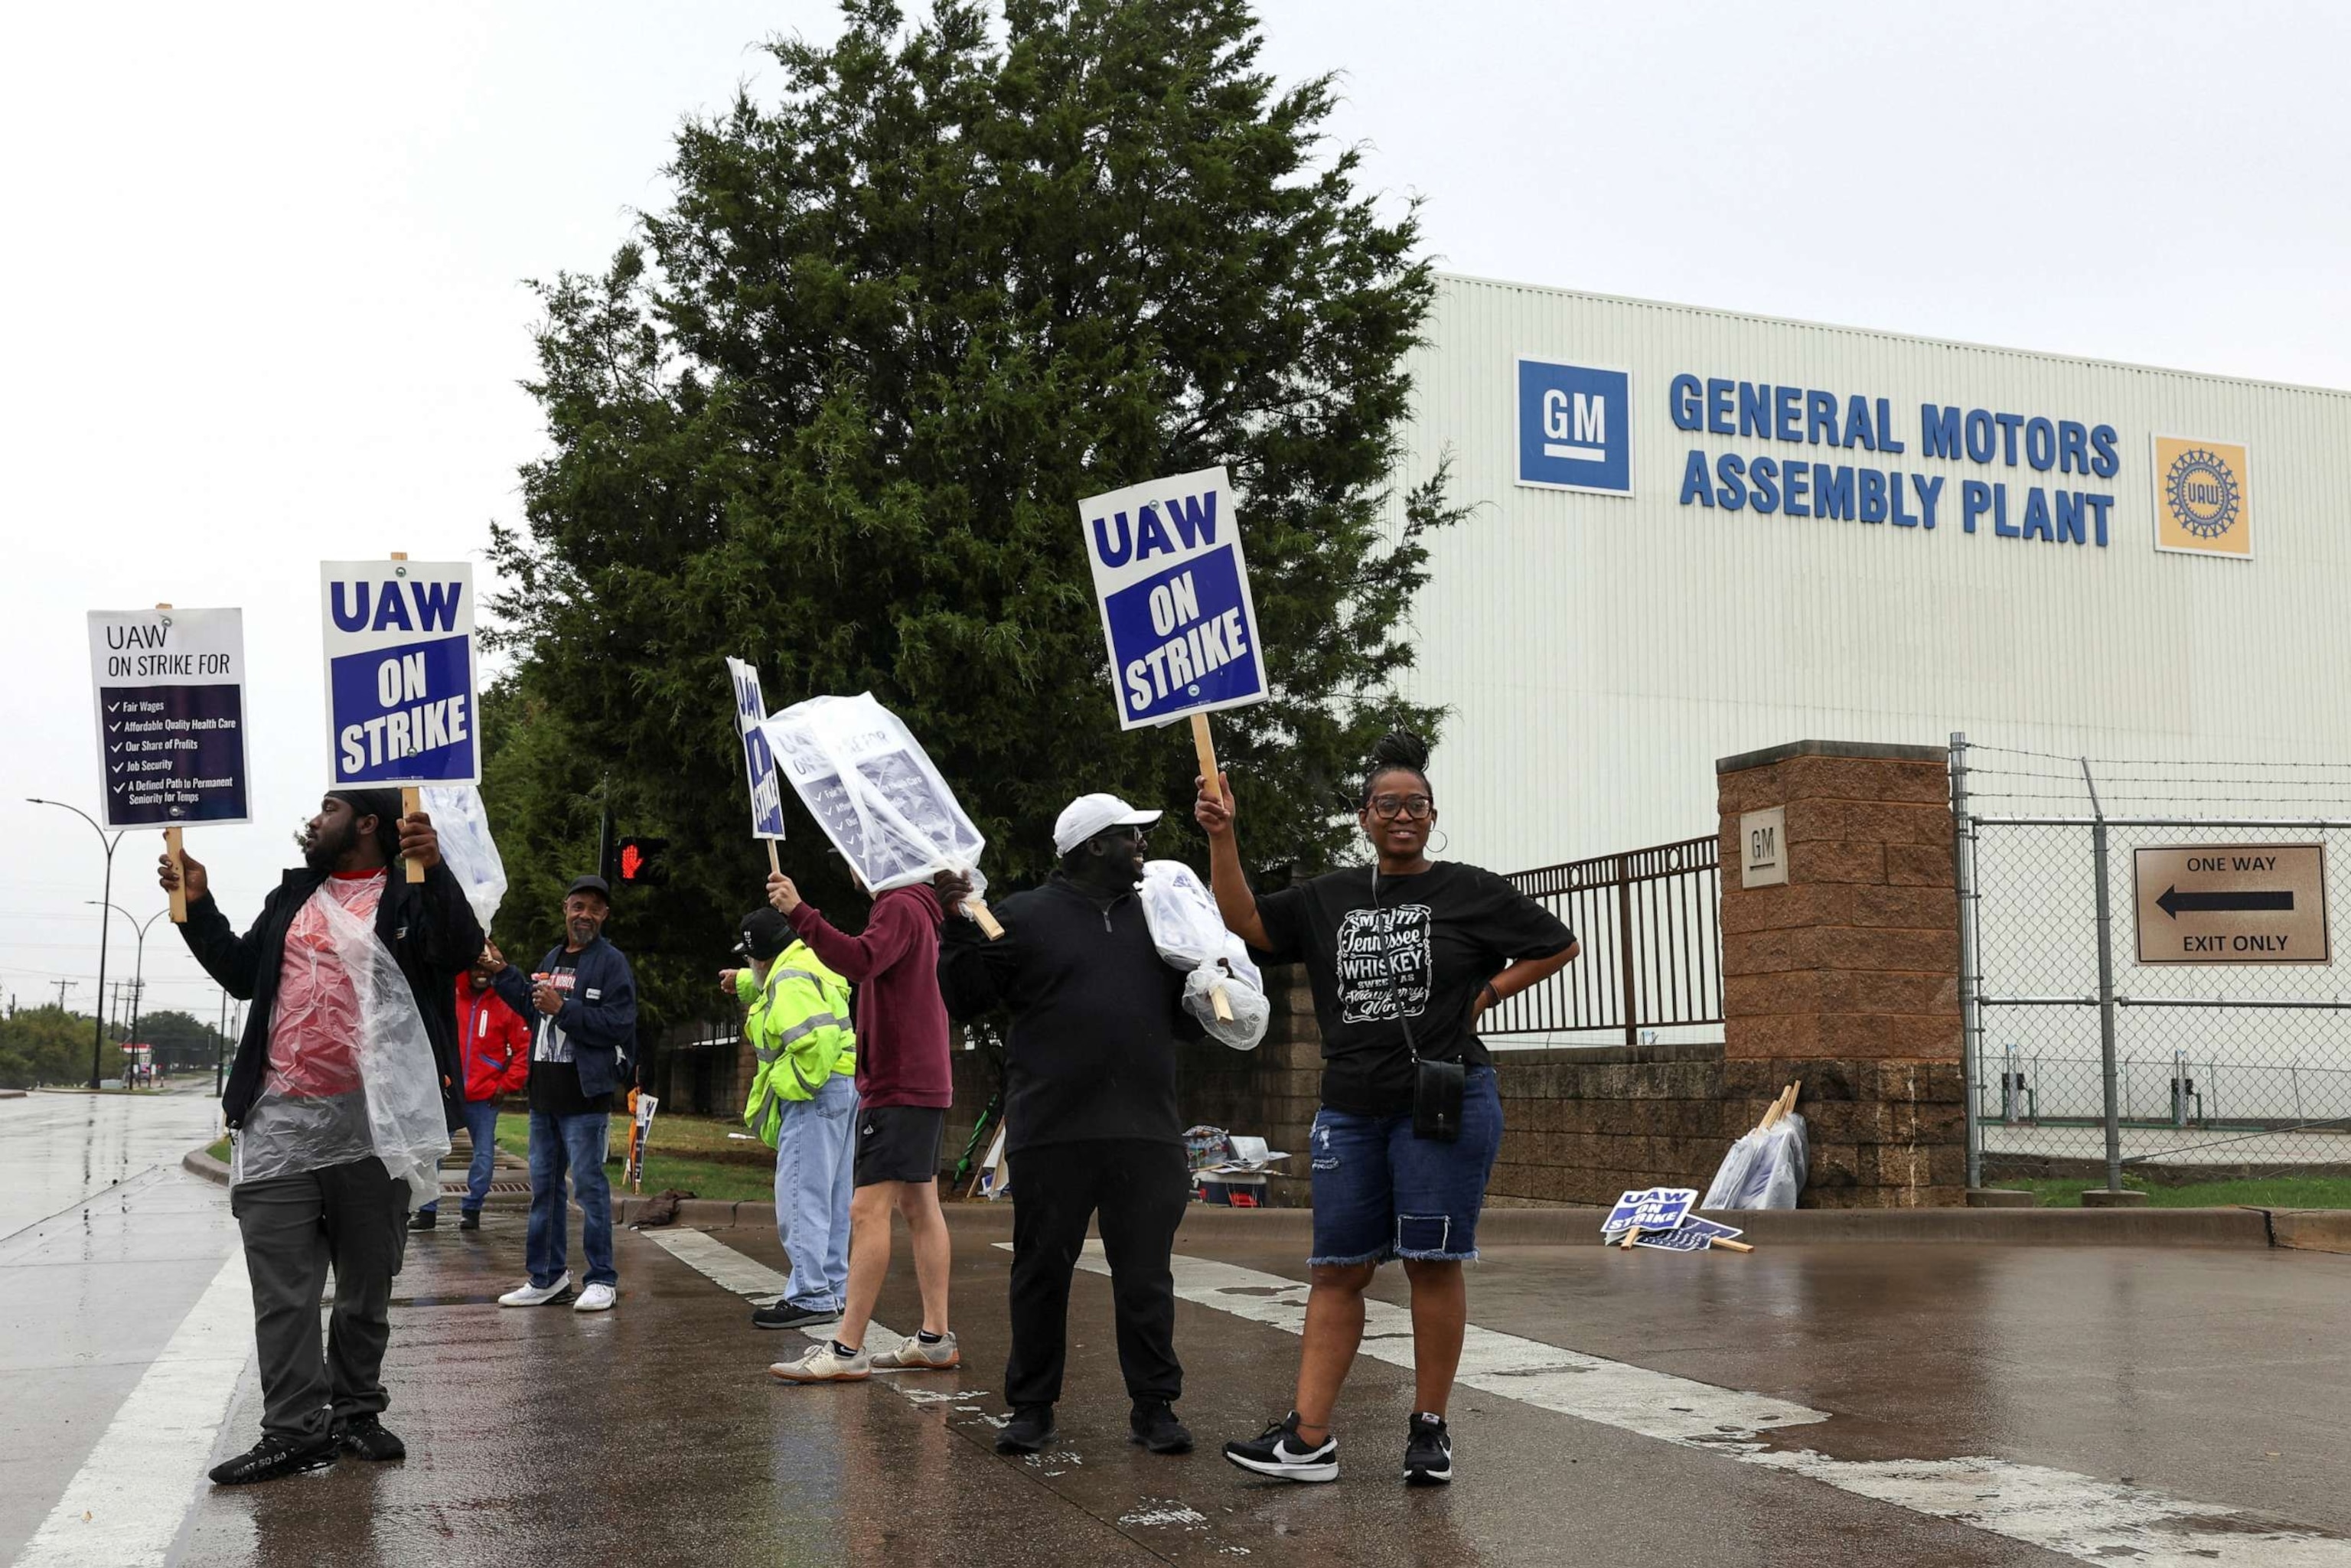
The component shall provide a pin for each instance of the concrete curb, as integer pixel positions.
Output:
(2312, 1229)
(205, 1165)
(2326, 1229)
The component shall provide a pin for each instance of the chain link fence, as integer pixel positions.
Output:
(2096, 1045)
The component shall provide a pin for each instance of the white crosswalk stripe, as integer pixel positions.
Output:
(122, 1509)
(2058, 1511)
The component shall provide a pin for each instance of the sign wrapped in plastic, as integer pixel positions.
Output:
(874, 790)
(1223, 989)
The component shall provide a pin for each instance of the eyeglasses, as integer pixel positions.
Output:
(1388, 808)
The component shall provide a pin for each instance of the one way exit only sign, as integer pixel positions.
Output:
(2232, 904)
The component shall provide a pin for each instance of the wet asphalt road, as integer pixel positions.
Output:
(651, 1435)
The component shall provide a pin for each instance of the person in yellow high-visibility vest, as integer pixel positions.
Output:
(803, 1103)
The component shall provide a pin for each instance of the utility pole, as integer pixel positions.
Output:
(97, 1025)
(63, 987)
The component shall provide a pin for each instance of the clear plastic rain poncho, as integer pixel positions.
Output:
(370, 1085)
(1191, 934)
(466, 847)
(1764, 1169)
(868, 783)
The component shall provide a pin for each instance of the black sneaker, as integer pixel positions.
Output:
(423, 1220)
(469, 1219)
(1031, 1428)
(1153, 1424)
(369, 1438)
(1279, 1451)
(1427, 1453)
(275, 1455)
(783, 1314)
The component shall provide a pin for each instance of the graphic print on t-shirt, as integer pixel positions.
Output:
(553, 1044)
(1383, 963)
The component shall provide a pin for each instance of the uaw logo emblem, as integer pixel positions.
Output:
(2201, 497)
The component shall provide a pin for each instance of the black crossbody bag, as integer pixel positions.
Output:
(1438, 1087)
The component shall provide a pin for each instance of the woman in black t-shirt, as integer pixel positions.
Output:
(1403, 957)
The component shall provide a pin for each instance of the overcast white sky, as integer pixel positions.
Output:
(264, 307)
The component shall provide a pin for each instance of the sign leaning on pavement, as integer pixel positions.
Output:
(2232, 904)
(758, 762)
(1658, 1209)
(1693, 1235)
(1174, 598)
(169, 685)
(401, 707)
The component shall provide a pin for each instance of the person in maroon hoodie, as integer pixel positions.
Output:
(494, 1054)
(905, 1084)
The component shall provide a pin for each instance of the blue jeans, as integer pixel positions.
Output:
(1380, 1193)
(481, 1117)
(573, 1144)
(814, 1176)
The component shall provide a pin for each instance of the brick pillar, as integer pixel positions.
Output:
(1846, 975)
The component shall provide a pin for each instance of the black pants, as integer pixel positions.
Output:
(1141, 1191)
(351, 1218)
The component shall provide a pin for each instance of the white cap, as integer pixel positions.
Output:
(1086, 815)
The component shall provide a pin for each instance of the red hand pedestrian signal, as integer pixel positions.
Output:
(644, 861)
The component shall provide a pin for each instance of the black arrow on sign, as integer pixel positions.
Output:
(2174, 901)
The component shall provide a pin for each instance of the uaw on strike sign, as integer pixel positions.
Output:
(169, 686)
(401, 707)
(1175, 594)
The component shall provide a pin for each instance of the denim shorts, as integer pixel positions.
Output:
(1380, 1193)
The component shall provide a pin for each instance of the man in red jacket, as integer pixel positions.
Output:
(905, 1084)
(494, 1054)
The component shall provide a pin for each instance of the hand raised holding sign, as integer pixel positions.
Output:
(186, 876)
(420, 846)
(782, 893)
(1213, 812)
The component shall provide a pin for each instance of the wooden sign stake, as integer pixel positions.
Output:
(411, 800)
(171, 847)
(180, 885)
(1204, 746)
(987, 924)
(775, 866)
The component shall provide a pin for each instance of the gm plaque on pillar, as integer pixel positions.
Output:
(1763, 847)
(402, 703)
(169, 691)
(1174, 597)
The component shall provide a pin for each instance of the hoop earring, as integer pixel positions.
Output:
(1440, 848)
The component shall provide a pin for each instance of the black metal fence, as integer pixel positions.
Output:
(1649, 921)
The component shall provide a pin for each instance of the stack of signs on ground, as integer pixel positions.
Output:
(1660, 1217)
(1694, 1234)
(169, 687)
(872, 789)
(1657, 1209)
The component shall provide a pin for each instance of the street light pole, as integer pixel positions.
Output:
(98, 1025)
(138, 975)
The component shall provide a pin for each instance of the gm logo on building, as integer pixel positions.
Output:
(2203, 504)
(1575, 427)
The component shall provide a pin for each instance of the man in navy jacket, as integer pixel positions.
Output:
(583, 1004)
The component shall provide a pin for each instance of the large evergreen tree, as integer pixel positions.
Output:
(831, 412)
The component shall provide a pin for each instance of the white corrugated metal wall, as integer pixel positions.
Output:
(1599, 653)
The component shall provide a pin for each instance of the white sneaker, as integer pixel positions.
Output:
(530, 1295)
(595, 1299)
(912, 1355)
(821, 1366)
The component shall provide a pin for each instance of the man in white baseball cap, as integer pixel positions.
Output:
(1089, 815)
(1090, 1117)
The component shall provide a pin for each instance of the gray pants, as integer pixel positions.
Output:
(351, 1218)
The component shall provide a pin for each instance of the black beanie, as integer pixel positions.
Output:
(383, 805)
